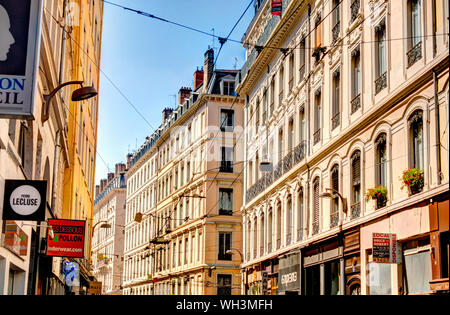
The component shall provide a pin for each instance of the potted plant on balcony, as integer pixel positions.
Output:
(378, 193)
(413, 179)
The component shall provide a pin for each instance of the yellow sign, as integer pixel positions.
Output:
(95, 287)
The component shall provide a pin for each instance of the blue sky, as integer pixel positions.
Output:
(149, 60)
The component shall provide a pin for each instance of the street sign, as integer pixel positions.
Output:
(68, 238)
(16, 240)
(385, 248)
(24, 200)
(20, 34)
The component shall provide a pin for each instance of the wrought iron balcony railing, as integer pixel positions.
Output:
(355, 9)
(316, 136)
(356, 103)
(336, 30)
(334, 219)
(356, 210)
(335, 121)
(414, 54)
(381, 83)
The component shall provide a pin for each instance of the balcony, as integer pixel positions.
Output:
(294, 157)
(414, 54)
(355, 210)
(335, 121)
(299, 234)
(381, 83)
(288, 239)
(315, 227)
(355, 9)
(269, 247)
(356, 103)
(334, 219)
(226, 167)
(316, 136)
(336, 30)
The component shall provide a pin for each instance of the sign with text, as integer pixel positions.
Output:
(385, 248)
(24, 200)
(277, 7)
(95, 287)
(68, 238)
(20, 34)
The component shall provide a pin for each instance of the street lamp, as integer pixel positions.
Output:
(81, 94)
(230, 251)
(344, 203)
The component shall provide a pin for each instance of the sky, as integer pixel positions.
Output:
(144, 63)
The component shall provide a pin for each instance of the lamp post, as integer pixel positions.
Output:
(344, 203)
(230, 251)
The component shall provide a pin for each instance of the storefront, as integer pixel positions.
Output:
(289, 275)
(352, 263)
(323, 269)
(262, 279)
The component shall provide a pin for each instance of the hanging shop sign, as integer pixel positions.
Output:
(95, 287)
(277, 7)
(67, 239)
(24, 200)
(385, 248)
(20, 35)
(16, 240)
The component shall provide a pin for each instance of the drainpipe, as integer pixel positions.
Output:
(437, 127)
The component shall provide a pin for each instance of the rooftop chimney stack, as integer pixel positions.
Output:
(183, 93)
(208, 68)
(129, 157)
(120, 168)
(166, 114)
(198, 78)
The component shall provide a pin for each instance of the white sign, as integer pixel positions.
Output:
(25, 200)
(20, 33)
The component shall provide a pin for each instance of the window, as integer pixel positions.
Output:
(265, 106)
(335, 110)
(226, 120)
(336, 20)
(280, 144)
(278, 225)
(269, 231)
(332, 277)
(356, 80)
(289, 220)
(225, 201)
(223, 284)
(302, 59)
(415, 122)
(417, 266)
(318, 31)
(413, 23)
(257, 116)
(316, 205)
(291, 72)
(379, 279)
(226, 164)
(334, 215)
(381, 160)
(317, 116)
(272, 96)
(262, 234)
(228, 88)
(281, 86)
(291, 135)
(300, 215)
(380, 53)
(224, 245)
(356, 177)
(186, 250)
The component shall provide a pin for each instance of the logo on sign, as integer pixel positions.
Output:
(25, 200)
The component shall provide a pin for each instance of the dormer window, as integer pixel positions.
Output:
(227, 87)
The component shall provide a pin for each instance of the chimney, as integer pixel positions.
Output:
(120, 168)
(166, 113)
(208, 68)
(198, 78)
(103, 183)
(97, 191)
(129, 156)
(183, 93)
(110, 177)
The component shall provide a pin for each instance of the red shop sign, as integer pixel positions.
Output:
(68, 238)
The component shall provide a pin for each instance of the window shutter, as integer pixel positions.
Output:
(356, 168)
(316, 200)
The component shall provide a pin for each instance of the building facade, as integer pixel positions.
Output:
(108, 231)
(344, 100)
(184, 187)
(39, 149)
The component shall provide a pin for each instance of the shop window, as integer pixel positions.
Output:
(417, 264)
(312, 280)
(332, 277)
(223, 284)
(379, 279)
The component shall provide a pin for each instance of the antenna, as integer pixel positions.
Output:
(213, 41)
(235, 63)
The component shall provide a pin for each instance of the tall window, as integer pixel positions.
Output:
(225, 201)
(291, 71)
(415, 122)
(334, 215)
(335, 110)
(318, 31)
(281, 86)
(265, 106)
(336, 20)
(317, 116)
(269, 230)
(413, 23)
(381, 57)
(316, 206)
(224, 245)
(278, 225)
(381, 160)
(280, 144)
(300, 215)
(262, 234)
(226, 164)
(272, 96)
(257, 116)
(224, 284)
(356, 80)
(226, 119)
(291, 135)
(356, 177)
(302, 59)
(289, 220)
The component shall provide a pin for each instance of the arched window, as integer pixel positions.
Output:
(334, 213)
(356, 183)
(255, 237)
(269, 231)
(415, 123)
(316, 206)
(278, 225)
(300, 214)
(261, 235)
(381, 160)
(289, 220)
